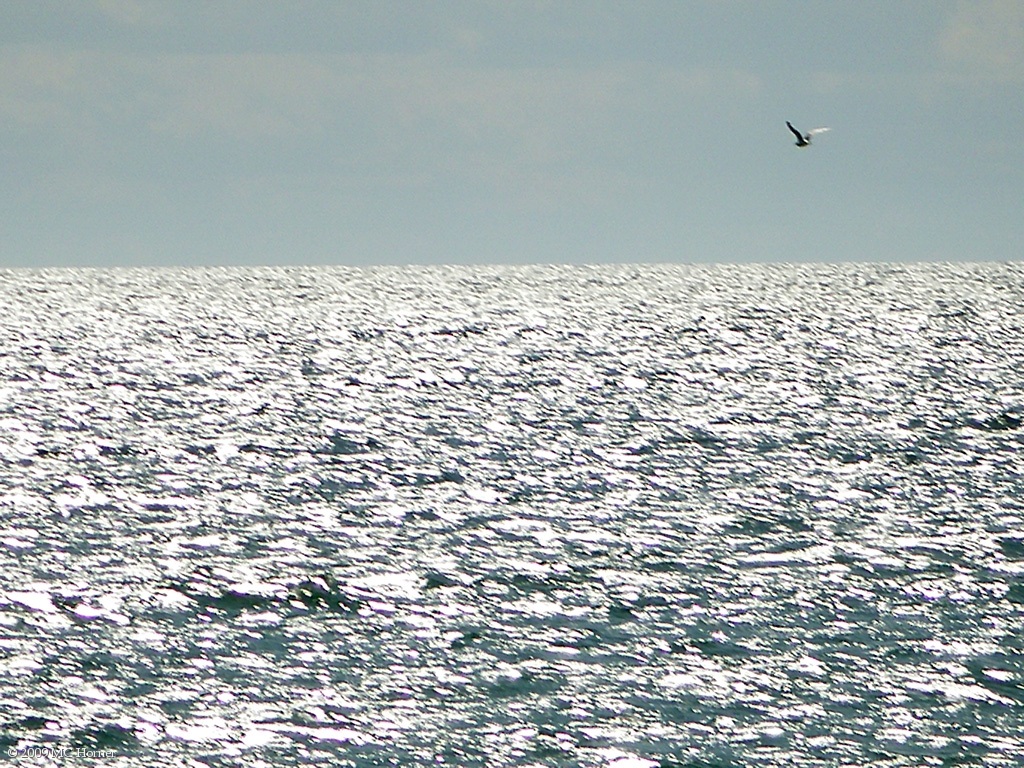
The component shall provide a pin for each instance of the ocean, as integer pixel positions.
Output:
(613, 516)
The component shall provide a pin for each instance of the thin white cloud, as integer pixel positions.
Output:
(247, 97)
(987, 37)
(131, 12)
(263, 96)
(36, 86)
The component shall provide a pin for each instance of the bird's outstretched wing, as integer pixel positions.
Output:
(817, 130)
(799, 136)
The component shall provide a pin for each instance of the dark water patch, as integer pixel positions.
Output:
(1000, 422)
(107, 736)
(341, 445)
(323, 592)
(1012, 547)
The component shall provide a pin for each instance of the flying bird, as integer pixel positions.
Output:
(804, 139)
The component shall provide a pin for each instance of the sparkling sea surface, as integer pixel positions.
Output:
(619, 516)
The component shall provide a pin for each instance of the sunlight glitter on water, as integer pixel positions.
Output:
(617, 516)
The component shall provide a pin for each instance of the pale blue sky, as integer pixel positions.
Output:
(138, 132)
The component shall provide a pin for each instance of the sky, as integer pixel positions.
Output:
(357, 132)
